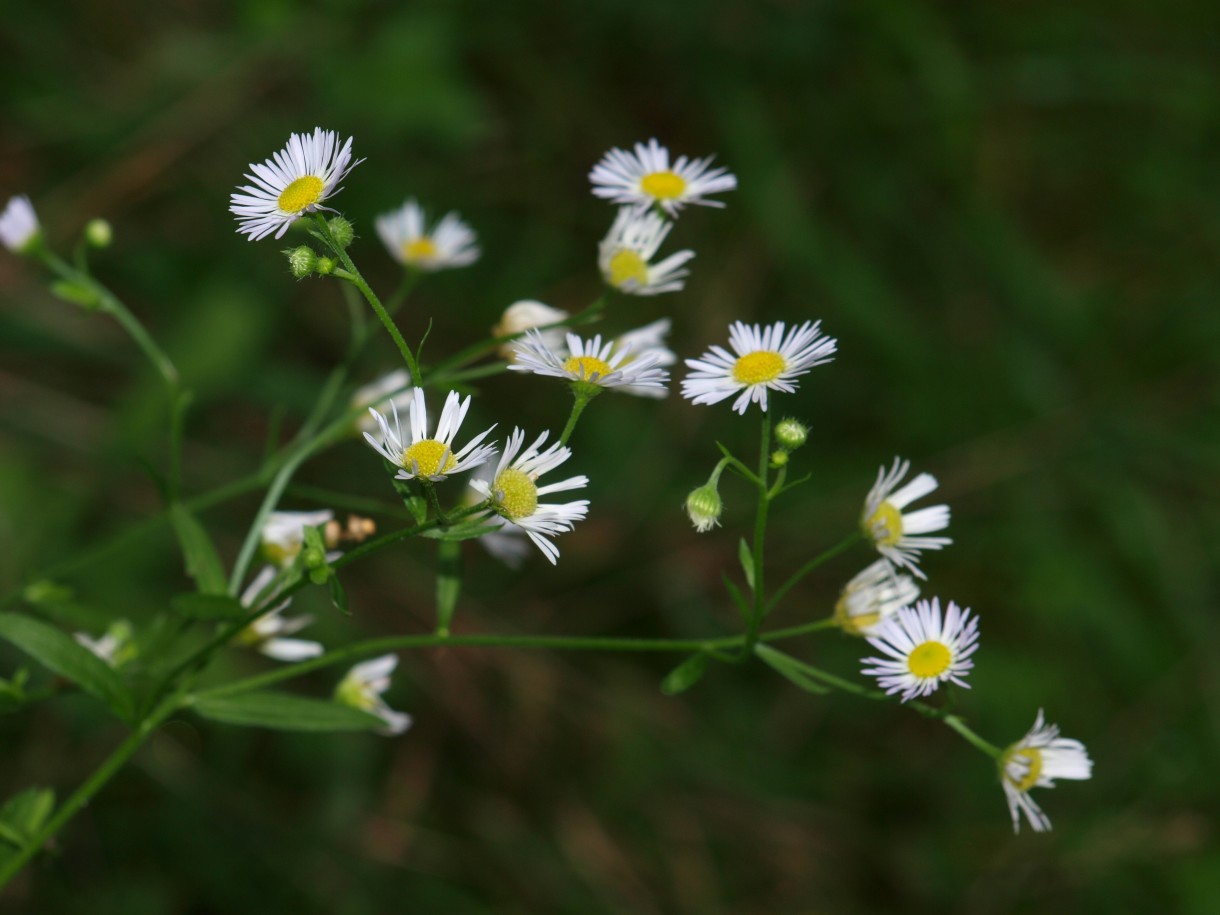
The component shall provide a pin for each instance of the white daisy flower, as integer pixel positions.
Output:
(625, 255)
(265, 634)
(404, 232)
(588, 361)
(526, 315)
(765, 360)
(292, 183)
(872, 596)
(429, 458)
(116, 646)
(1035, 761)
(923, 651)
(647, 178)
(393, 389)
(19, 229)
(514, 491)
(897, 536)
(284, 533)
(648, 341)
(362, 688)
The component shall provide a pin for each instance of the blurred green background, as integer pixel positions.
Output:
(1008, 214)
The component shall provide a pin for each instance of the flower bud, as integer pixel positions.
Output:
(341, 231)
(301, 261)
(790, 434)
(98, 233)
(779, 459)
(326, 266)
(703, 507)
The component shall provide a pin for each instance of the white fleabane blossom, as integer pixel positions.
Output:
(647, 341)
(923, 650)
(363, 687)
(116, 646)
(646, 178)
(1035, 761)
(872, 596)
(389, 391)
(19, 229)
(266, 634)
(588, 361)
(527, 315)
(405, 233)
(292, 183)
(625, 255)
(284, 533)
(514, 491)
(429, 458)
(762, 360)
(901, 536)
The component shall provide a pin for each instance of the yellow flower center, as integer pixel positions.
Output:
(419, 249)
(587, 366)
(1033, 760)
(884, 525)
(663, 185)
(516, 494)
(759, 368)
(931, 659)
(302, 193)
(280, 554)
(424, 458)
(854, 625)
(628, 267)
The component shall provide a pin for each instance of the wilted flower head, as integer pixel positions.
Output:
(1035, 761)
(363, 687)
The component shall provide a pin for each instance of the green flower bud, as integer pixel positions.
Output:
(341, 231)
(790, 434)
(301, 261)
(703, 507)
(326, 266)
(779, 458)
(98, 233)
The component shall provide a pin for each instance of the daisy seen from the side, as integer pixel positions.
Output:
(872, 596)
(363, 688)
(405, 233)
(424, 457)
(625, 255)
(590, 362)
(292, 183)
(283, 533)
(514, 491)
(1035, 761)
(116, 646)
(897, 535)
(923, 650)
(19, 229)
(648, 341)
(646, 178)
(266, 634)
(527, 315)
(763, 359)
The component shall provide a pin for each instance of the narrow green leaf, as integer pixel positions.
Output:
(685, 675)
(418, 508)
(790, 669)
(338, 596)
(284, 712)
(746, 557)
(202, 561)
(62, 654)
(23, 814)
(208, 606)
(738, 598)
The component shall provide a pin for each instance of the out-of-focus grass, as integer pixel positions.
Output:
(1007, 214)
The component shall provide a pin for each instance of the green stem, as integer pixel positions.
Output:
(583, 397)
(435, 503)
(357, 280)
(972, 738)
(760, 533)
(808, 567)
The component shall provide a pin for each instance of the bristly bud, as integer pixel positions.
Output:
(326, 266)
(790, 434)
(779, 459)
(98, 233)
(302, 261)
(341, 231)
(703, 507)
